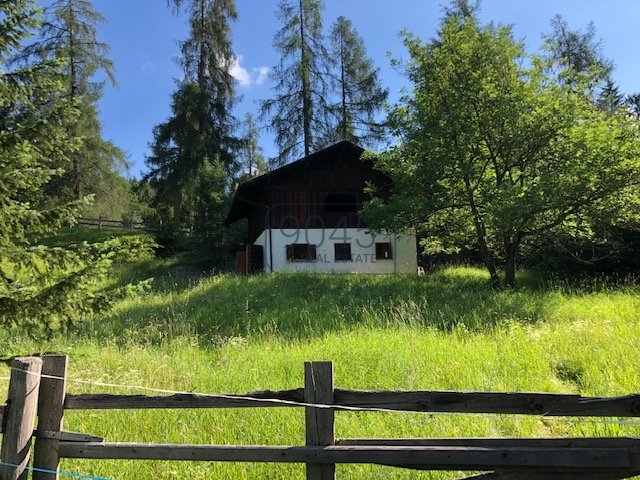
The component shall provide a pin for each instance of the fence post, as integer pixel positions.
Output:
(50, 413)
(19, 417)
(100, 222)
(319, 422)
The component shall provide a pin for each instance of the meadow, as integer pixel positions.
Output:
(446, 330)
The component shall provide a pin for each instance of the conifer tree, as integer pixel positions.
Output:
(41, 288)
(577, 54)
(633, 104)
(69, 36)
(357, 85)
(299, 111)
(252, 153)
(193, 149)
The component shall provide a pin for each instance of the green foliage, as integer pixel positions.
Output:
(69, 36)
(41, 288)
(187, 159)
(192, 161)
(323, 94)
(253, 160)
(357, 85)
(51, 288)
(576, 53)
(299, 112)
(501, 150)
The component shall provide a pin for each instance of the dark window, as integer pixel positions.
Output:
(301, 252)
(383, 251)
(342, 252)
(340, 202)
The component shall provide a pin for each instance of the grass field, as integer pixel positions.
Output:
(447, 330)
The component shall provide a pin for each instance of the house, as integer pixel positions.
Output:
(304, 216)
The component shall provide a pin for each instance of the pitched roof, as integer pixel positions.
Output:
(246, 192)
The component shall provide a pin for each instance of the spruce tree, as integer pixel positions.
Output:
(41, 288)
(357, 84)
(193, 151)
(69, 36)
(576, 55)
(298, 113)
(633, 104)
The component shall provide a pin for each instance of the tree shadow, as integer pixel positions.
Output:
(303, 306)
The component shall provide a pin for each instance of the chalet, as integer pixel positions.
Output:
(304, 216)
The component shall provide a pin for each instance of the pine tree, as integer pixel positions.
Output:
(299, 112)
(41, 288)
(69, 35)
(195, 146)
(360, 94)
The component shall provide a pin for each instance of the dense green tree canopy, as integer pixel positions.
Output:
(499, 150)
(40, 287)
(194, 150)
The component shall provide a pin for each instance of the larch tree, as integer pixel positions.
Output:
(576, 57)
(299, 113)
(491, 143)
(69, 35)
(252, 152)
(193, 150)
(357, 85)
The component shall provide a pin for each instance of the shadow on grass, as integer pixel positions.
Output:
(300, 306)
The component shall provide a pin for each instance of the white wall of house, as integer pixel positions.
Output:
(363, 251)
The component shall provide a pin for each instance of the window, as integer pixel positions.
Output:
(342, 252)
(383, 251)
(301, 252)
(340, 202)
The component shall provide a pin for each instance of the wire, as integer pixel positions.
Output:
(53, 472)
(293, 403)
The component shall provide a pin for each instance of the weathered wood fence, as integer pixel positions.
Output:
(107, 224)
(38, 386)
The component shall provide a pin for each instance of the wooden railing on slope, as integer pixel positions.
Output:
(502, 458)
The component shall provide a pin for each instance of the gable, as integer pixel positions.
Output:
(300, 189)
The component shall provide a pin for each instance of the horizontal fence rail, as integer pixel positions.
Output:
(502, 458)
(434, 457)
(105, 223)
(547, 404)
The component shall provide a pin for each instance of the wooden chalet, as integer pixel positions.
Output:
(304, 216)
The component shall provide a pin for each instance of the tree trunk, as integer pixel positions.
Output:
(306, 87)
(344, 90)
(481, 233)
(202, 61)
(510, 254)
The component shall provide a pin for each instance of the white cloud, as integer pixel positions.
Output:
(240, 73)
(261, 74)
(246, 78)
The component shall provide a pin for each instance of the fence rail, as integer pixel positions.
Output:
(501, 458)
(104, 223)
(547, 404)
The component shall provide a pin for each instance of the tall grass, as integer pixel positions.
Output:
(448, 330)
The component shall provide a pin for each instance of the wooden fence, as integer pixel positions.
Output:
(104, 223)
(38, 387)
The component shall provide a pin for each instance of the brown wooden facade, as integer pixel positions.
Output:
(323, 190)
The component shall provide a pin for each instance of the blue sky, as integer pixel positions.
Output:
(143, 36)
